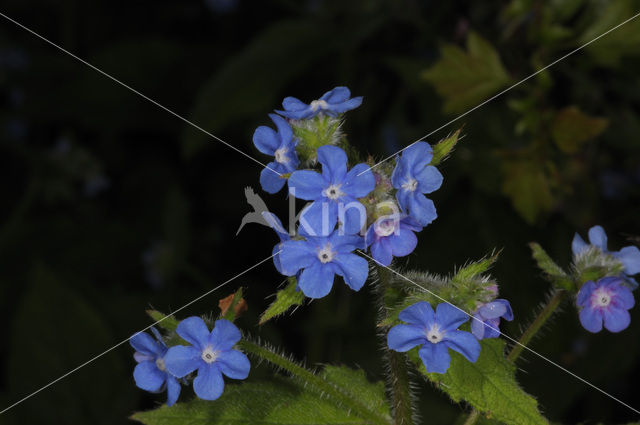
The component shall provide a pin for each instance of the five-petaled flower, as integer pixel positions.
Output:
(413, 177)
(332, 103)
(606, 300)
(281, 145)
(486, 318)
(334, 193)
(210, 353)
(151, 373)
(392, 236)
(629, 256)
(320, 259)
(436, 333)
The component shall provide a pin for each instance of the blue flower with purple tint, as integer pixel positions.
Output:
(320, 258)
(606, 300)
(486, 319)
(210, 353)
(436, 333)
(335, 192)
(151, 373)
(413, 177)
(392, 236)
(332, 103)
(282, 146)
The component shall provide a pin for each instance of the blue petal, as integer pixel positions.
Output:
(624, 297)
(275, 223)
(629, 256)
(347, 105)
(421, 208)
(399, 175)
(334, 163)
(173, 390)
(381, 251)
(359, 185)
(353, 215)
(148, 377)
(284, 129)
(418, 314)
(337, 95)
(464, 343)
(403, 338)
(477, 326)
(224, 335)
(616, 319)
(492, 328)
(403, 199)
(429, 179)
(492, 310)
(591, 319)
(353, 268)
(585, 293)
(416, 156)
(435, 357)
(145, 344)
(450, 317)
(316, 281)
(319, 218)
(195, 331)
(297, 115)
(181, 360)
(598, 237)
(270, 181)
(578, 244)
(508, 315)
(234, 364)
(296, 255)
(403, 243)
(307, 184)
(345, 243)
(292, 104)
(276, 257)
(208, 385)
(266, 140)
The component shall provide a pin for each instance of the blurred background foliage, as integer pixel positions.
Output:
(111, 205)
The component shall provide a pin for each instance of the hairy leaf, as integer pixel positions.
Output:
(285, 299)
(167, 322)
(444, 147)
(552, 271)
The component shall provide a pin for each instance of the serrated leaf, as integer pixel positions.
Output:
(571, 128)
(443, 148)
(553, 272)
(489, 385)
(167, 322)
(285, 299)
(466, 78)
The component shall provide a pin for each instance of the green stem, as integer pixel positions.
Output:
(398, 370)
(317, 382)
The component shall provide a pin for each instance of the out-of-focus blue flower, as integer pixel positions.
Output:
(151, 373)
(606, 300)
(333, 190)
(282, 146)
(210, 353)
(436, 333)
(392, 236)
(320, 259)
(486, 319)
(413, 177)
(332, 103)
(629, 256)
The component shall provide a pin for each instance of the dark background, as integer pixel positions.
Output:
(111, 205)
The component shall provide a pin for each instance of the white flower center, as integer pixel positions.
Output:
(601, 298)
(209, 355)
(410, 185)
(160, 364)
(281, 155)
(434, 335)
(326, 254)
(333, 192)
(318, 104)
(384, 227)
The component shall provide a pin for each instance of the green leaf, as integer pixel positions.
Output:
(475, 268)
(167, 322)
(355, 382)
(571, 128)
(593, 264)
(465, 79)
(443, 148)
(489, 385)
(527, 184)
(285, 299)
(281, 402)
(553, 272)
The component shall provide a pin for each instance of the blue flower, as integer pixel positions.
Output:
(151, 373)
(210, 353)
(391, 236)
(606, 300)
(629, 256)
(282, 146)
(320, 259)
(436, 332)
(486, 319)
(332, 103)
(276, 225)
(413, 176)
(334, 192)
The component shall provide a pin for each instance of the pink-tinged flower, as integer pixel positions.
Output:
(606, 300)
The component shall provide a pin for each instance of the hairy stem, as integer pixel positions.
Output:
(315, 381)
(398, 372)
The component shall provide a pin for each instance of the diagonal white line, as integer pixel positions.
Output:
(506, 336)
(505, 90)
(127, 340)
(138, 93)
